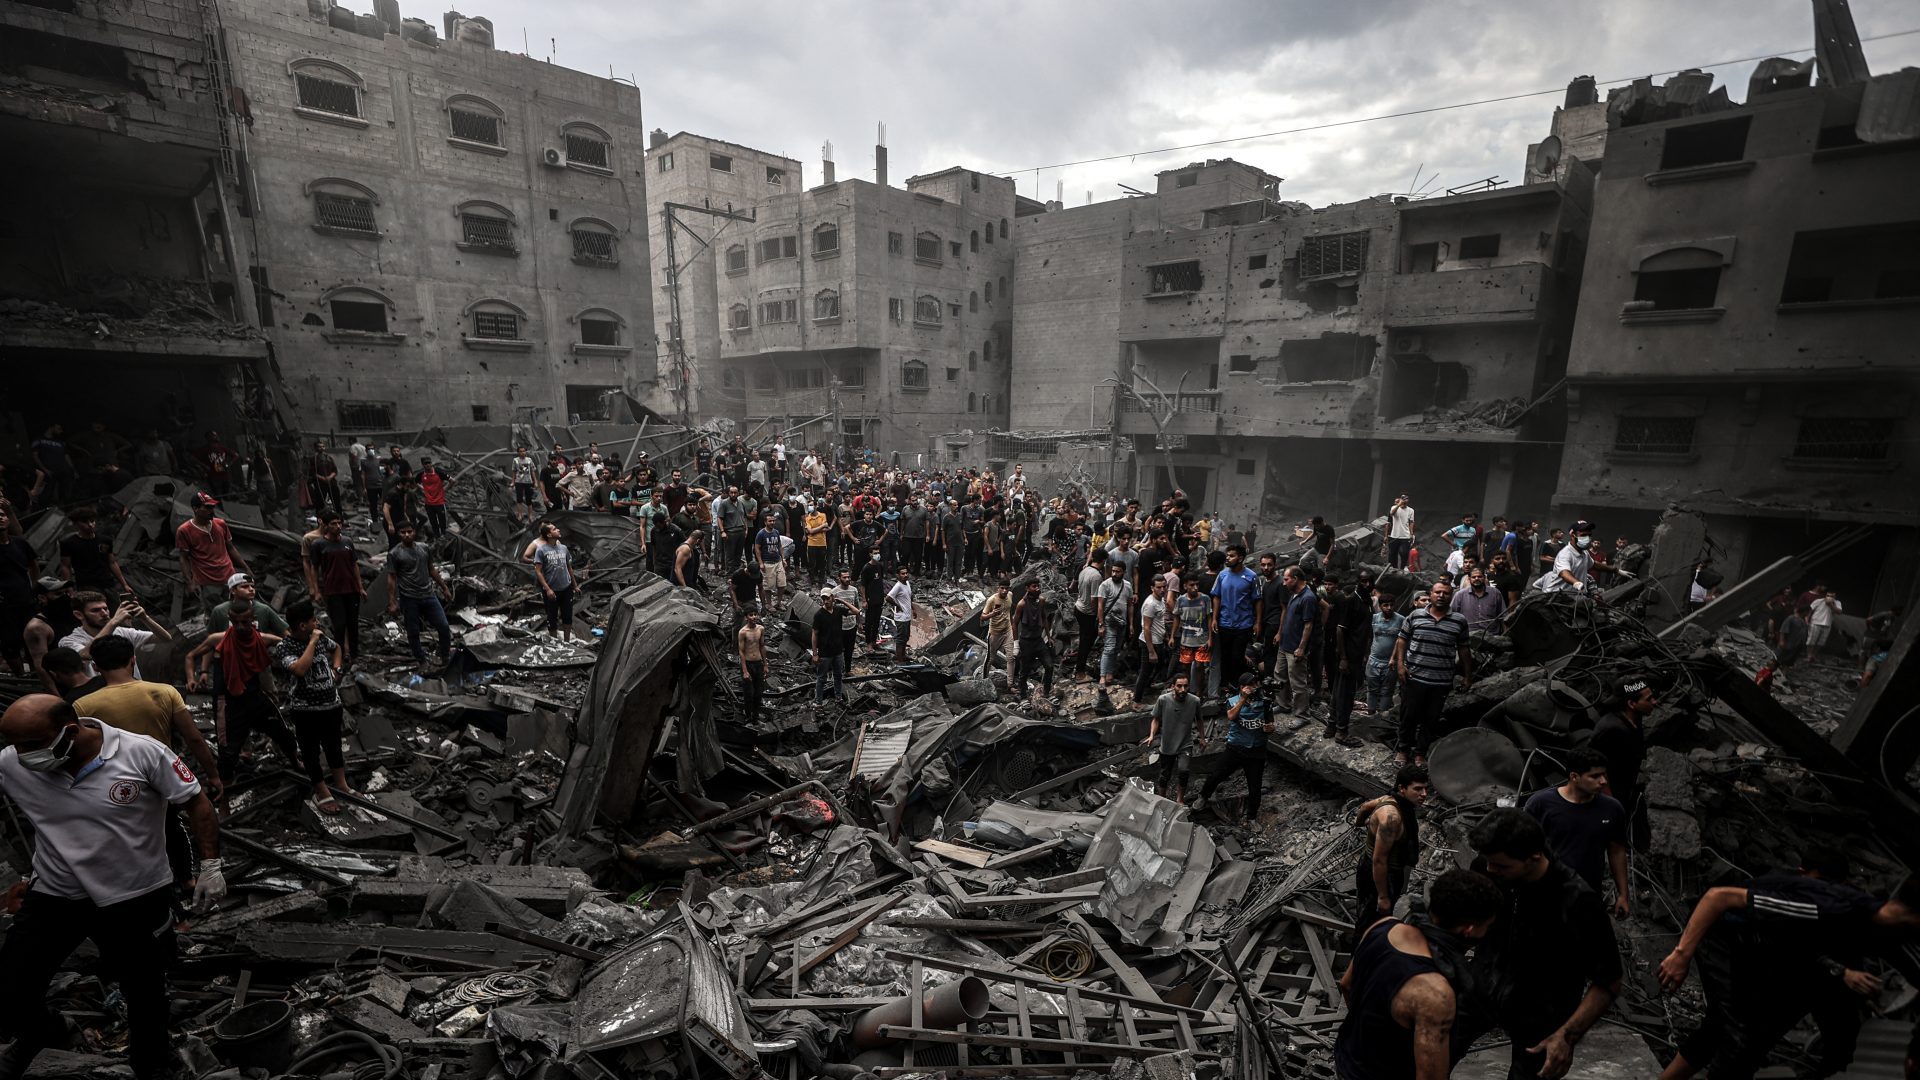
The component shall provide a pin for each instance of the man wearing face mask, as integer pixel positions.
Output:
(97, 798)
(1573, 564)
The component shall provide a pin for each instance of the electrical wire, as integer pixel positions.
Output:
(1420, 112)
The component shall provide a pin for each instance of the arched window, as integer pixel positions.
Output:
(739, 317)
(973, 403)
(986, 350)
(826, 305)
(328, 91)
(496, 323)
(988, 286)
(926, 247)
(486, 228)
(973, 360)
(595, 242)
(342, 207)
(973, 301)
(913, 375)
(826, 238)
(588, 147)
(973, 240)
(600, 328)
(989, 232)
(1003, 286)
(926, 309)
(1003, 228)
(474, 123)
(355, 309)
(737, 259)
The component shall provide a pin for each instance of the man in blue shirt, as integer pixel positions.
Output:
(1249, 722)
(1466, 535)
(1236, 614)
(1297, 641)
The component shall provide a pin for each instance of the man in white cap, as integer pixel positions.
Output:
(1573, 564)
(97, 799)
(241, 587)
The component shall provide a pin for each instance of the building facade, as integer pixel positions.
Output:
(443, 232)
(850, 312)
(1746, 343)
(117, 265)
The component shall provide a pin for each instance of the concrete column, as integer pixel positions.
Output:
(1376, 493)
(1678, 543)
(1499, 491)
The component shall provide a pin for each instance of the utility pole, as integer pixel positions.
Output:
(669, 216)
(839, 430)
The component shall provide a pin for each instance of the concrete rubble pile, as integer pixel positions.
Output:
(580, 858)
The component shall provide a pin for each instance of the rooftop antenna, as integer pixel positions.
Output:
(1060, 192)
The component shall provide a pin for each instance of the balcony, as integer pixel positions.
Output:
(1196, 412)
(1475, 296)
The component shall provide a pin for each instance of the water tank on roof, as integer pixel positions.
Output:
(656, 137)
(342, 19)
(1582, 91)
(372, 26)
(475, 29)
(418, 30)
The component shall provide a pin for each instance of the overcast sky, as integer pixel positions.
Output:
(1008, 85)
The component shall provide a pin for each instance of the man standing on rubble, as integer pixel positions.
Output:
(1084, 612)
(414, 593)
(1479, 605)
(1176, 732)
(1767, 952)
(900, 607)
(434, 483)
(97, 799)
(1033, 624)
(1113, 606)
(1620, 738)
(1430, 651)
(1550, 967)
(1572, 564)
(1297, 639)
(750, 641)
(1586, 828)
(829, 646)
(1249, 722)
(998, 613)
(1192, 631)
(241, 587)
(1236, 614)
(771, 555)
(208, 556)
(1392, 823)
(686, 561)
(873, 595)
(334, 569)
(1400, 1005)
(1399, 532)
(1348, 633)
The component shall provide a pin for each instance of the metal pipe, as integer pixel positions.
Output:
(945, 1007)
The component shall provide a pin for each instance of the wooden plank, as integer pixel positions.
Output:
(1076, 1021)
(1027, 854)
(1327, 922)
(1322, 964)
(778, 928)
(966, 856)
(818, 1003)
(1136, 983)
(844, 937)
(993, 900)
(1061, 882)
(1025, 1026)
(985, 1038)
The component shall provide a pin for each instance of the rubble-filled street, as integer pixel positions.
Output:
(496, 584)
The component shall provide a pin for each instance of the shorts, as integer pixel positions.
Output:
(773, 575)
(1817, 635)
(523, 494)
(1202, 654)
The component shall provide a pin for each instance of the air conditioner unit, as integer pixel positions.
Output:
(553, 158)
(1409, 345)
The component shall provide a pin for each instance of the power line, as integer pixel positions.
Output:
(1416, 112)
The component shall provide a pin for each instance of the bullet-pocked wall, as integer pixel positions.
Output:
(446, 232)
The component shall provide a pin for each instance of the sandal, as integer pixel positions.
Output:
(329, 806)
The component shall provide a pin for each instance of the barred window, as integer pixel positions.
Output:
(913, 375)
(475, 126)
(496, 325)
(1654, 435)
(739, 317)
(826, 238)
(778, 247)
(594, 246)
(896, 243)
(365, 415)
(926, 309)
(779, 311)
(926, 247)
(486, 231)
(1180, 277)
(350, 212)
(896, 309)
(322, 94)
(806, 378)
(736, 260)
(853, 375)
(1840, 438)
(586, 148)
(1339, 255)
(826, 305)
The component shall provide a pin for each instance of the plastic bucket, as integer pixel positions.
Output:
(258, 1036)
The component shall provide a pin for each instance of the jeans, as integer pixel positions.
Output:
(318, 731)
(343, 611)
(1397, 551)
(1420, 708)
(955, 553)
(437, 519)
(1110, 646)
(246, 715)
(1034, 652)
(996, 645)
(836, 666)
(1249, 761)
(1380, 685)
(560, 609)
(425, 609)
(1367, 895)
(136, 943)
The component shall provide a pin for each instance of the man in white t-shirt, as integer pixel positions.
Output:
(97, 621)
(1571, 565)
(97, 799)
(1820, 624)
(900, 608)
(1399, 531)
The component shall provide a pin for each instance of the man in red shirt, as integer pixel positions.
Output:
(207, 555)
(433, 491)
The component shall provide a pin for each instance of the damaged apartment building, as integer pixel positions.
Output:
(1279, 361)
(1745, 344)
(429, 230)
(118, 264)
(851, 311)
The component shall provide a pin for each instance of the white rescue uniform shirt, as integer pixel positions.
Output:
(101, 834)
(1570, 558)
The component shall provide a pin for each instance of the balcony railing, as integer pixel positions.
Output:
(1184, 402)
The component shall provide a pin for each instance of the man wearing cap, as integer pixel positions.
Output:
(1573, 563)
(1249, 722)
(240, 588)
(208, 556)
(97, 799)
(1620, 737)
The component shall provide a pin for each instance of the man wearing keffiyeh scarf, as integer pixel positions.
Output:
(243, 653)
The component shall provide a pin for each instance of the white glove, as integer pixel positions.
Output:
(210, 887)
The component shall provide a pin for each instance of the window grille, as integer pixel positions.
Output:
(588, 150)
(1654, 435)
(365, 415)
(913, 375)
(826, 305)
(1837, 438)
(496, 325)
(367, 316)
(328, 95)
(344, 212)
(475, 126)
(481, 230)
(927, 246)
(593, 246)
(1177, 277)
(1342, 254)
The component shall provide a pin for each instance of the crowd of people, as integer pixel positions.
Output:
(1185, 613)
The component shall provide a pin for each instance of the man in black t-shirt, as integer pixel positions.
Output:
(86, 559)
(829, 659)
(1551, 968)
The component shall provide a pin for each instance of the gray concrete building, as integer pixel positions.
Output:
(117, 265)
(1746, 339)
(1286, 361)
(442, 232)
(851, 311)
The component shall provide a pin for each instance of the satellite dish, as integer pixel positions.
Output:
(1546, 156)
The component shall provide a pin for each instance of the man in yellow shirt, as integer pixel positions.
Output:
(155, 710)
(816, 526)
